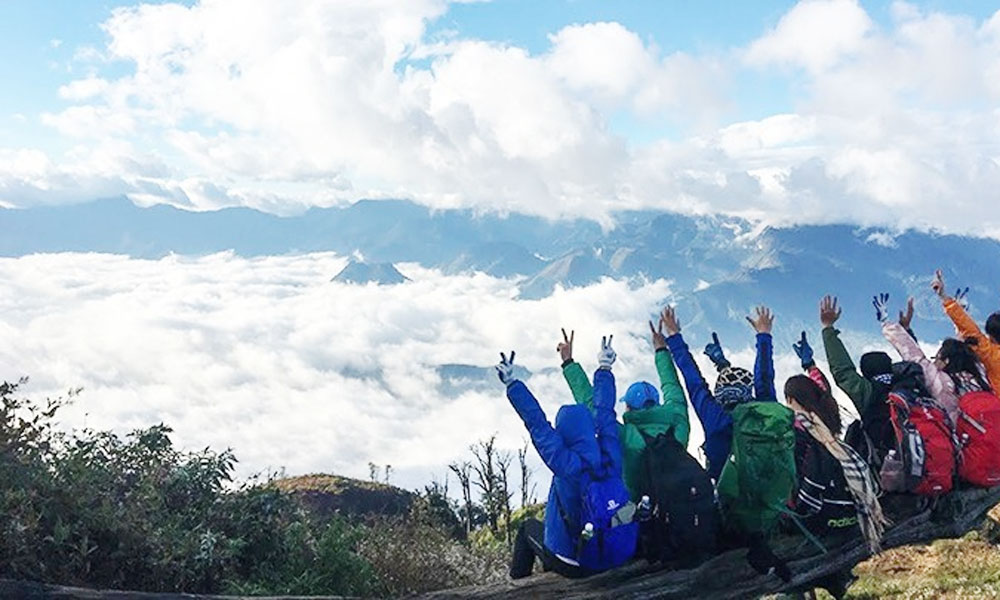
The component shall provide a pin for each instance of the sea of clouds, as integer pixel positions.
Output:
(268, 357)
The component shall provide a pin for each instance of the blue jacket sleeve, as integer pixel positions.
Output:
(605, 423)
(716, 423)
(763, 369)
(557, 457)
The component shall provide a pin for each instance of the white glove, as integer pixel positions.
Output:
(606, 357)
(505, 369)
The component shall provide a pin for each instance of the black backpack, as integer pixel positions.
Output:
(838, 512)
(872, 436)
(681, 522)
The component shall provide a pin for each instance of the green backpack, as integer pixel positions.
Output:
(759, 477)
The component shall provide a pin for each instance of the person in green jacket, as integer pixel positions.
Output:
(868, 389)
(644, 414)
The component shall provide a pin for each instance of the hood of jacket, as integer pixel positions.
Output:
(575, 426)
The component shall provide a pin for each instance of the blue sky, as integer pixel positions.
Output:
(772, 110)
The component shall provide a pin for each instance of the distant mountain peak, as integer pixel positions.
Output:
(359, 271)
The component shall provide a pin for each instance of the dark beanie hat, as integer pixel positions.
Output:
(734, 386)
(874, 364)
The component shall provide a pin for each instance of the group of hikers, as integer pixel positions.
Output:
(629, 488)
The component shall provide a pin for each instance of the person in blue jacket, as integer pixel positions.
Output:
(734, 385)
(580, 445)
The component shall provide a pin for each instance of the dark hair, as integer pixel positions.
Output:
(960, 358)
(815, 400)
(993, 327)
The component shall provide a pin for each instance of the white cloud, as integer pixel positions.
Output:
(605, 58)
(814, 34)
(268, 357)
(83, 89)
(226, 102)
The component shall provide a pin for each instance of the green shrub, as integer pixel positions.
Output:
(95, 509)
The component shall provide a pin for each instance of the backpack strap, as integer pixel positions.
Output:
(798, 522)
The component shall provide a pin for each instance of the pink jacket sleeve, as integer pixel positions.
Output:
(939, 383)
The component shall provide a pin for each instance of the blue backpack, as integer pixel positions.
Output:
(607, 506)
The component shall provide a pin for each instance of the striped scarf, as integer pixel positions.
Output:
(862, 485)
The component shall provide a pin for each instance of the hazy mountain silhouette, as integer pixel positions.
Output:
(719, 266)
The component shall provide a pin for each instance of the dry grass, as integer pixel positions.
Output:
(333, 484)
(964, 568)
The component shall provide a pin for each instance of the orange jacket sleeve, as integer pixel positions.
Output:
(986, 349)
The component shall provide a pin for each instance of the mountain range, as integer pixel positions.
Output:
(719, 266)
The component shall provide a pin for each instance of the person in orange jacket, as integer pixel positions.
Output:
(986, 347)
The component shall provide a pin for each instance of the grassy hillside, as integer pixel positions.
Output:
(963, 568)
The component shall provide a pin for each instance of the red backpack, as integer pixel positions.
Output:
(978, 432)
(924, 443)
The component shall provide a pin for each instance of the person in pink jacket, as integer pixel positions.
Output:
(986, 347)
(953, 372)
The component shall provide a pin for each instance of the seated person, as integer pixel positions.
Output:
(868, 390)
(581, 448)
(836, 490)
(986, 346)
(955, 369)
(645, 416)
(733, 386)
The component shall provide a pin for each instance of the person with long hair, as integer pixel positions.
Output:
(836, 489)
(986, 346)
(953, 372)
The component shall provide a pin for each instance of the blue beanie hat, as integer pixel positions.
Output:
(641, 394)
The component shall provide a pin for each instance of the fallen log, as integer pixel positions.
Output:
(728, 576)
(30, 590)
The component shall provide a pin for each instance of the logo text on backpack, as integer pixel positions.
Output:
(612, 505)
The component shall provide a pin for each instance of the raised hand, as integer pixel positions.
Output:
(937, 284)
(881, 304)
(762, 321)
(659, 341)
(962, 297)
(906, 317)
(565, 347)
(829, 312)
(804, 351)
(714, 352)
(606, 357)
(669, 319)
(505, 369)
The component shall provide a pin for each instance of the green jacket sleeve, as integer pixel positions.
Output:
(857, 388)
(579, 384)
(673, 395)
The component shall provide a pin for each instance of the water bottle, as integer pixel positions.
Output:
(645, 509)
(587, 533)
